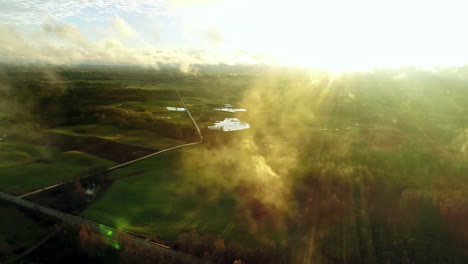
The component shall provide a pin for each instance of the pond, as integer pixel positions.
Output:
(172, 108)
(232, 110)
(229, 124)
(229, 108)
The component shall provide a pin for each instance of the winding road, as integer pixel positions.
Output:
(197, 128)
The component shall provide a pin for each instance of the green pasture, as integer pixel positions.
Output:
(159, 202)
(25, 167)
(135, 137)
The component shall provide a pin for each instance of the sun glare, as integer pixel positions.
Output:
(349, 35)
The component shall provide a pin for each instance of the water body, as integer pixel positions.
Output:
(229, 108)
(229, 124)
(171, 108)
(232, 110)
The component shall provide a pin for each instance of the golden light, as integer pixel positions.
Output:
(342, 34)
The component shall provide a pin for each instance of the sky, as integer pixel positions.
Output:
(329, 34)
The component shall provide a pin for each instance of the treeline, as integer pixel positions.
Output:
(91, 106)
(214, 249)
(137, 120)
(74, 101)
(105, 246)
(88, 106)
(367, 221)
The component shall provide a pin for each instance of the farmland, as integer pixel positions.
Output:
(26, 167)
(363, 167)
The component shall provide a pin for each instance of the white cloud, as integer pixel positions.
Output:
(122, 27)
(37, 11)
(331, 34)
(60, 43)
(65, 32)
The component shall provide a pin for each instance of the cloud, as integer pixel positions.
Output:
(299, 32)
(179, 42)
(190, 3)
(38, 32)
(37, 11)
(65, 32)
(60, 43)
(122, 27)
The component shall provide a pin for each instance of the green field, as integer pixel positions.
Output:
(156, 202)
(141, 138)
(364, 167)
(25, 167)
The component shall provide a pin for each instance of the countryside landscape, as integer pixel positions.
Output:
(233, 132)
(355, 167)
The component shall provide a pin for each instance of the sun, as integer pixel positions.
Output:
(343, 35)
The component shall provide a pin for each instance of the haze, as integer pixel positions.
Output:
(334, 35)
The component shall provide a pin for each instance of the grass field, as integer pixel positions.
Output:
(157, 203)
(25, 166)
(135, 137)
